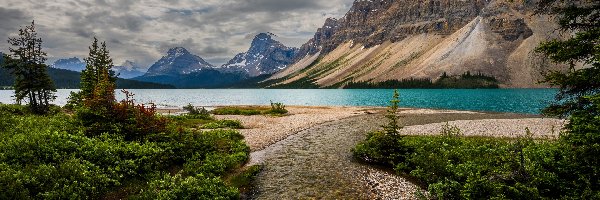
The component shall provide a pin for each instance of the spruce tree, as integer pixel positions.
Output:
(32, 82)
(580, 20)
(392, 127)
(98, 63)
(579, 94)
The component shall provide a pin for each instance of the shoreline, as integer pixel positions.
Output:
(263, 131)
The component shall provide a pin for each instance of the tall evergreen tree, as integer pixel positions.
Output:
(579, 96)
(581, 21)
(32, 82)
(98, 62)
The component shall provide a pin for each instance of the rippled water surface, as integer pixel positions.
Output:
(495, 100)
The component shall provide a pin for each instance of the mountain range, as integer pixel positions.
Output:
(69, 79)
(376, 41)
(181, 68)
(126, 70)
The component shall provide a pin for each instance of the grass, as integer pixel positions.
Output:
(244, 179)
(276, 109)
(233, 124)
(240, 110)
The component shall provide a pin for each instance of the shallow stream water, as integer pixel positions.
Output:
(317, 163)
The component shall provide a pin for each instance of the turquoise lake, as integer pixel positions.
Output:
(495, 100)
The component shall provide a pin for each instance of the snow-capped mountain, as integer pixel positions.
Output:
(129, 70)
(178, 61)
(265, 56)
(73, 64)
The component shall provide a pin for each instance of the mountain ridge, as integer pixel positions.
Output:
(380, 40)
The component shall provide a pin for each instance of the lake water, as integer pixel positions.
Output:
(495, 100)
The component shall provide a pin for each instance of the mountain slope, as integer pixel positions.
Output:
(379, 40)
(265, 56)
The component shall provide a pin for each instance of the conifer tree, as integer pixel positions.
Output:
(32, 82)
(392, 127)
(97, 63)
(581, 21)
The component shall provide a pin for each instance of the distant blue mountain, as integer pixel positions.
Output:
(129, 70)
(185, 70)
(178, 61)
(73, 64)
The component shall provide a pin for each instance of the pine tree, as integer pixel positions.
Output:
(32, 82)
(98, 63)
(392, 127)
(580, 20)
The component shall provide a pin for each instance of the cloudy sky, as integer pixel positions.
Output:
(143, 30)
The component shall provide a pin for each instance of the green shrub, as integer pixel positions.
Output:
(190, 187)
(234, 124)
(196, 113)
(50, 157)
(277, 109)
(125, 118)
(239, 111)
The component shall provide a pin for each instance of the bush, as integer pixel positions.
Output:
(191, 187)
(239, 111)
(126, 118)
(234, 124)
(197, 113)
(277, 109)
(50, 157)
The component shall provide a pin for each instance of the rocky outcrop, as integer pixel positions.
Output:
(379, 40)
(265, 56)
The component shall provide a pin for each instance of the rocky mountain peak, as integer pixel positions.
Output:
(177, 51)
(178, 61)
(265, 56)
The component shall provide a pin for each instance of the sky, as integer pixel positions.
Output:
(143, 30)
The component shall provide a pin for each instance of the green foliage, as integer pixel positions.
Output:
(277, 109)
(464, 81)
(126, 118)
(197, 113)
(49, 157)
(392, 127)
(240, 110)
(244, 179)
(31, 80)
(98, 68)
(384, 147)
(234, 124)
(190, 187)
(579, 21)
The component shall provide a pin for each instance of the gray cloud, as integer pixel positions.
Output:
(11, 20)
(142, 31)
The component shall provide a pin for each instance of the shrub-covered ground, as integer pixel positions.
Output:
(275, 109)
(455, 167)
(52, 157)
